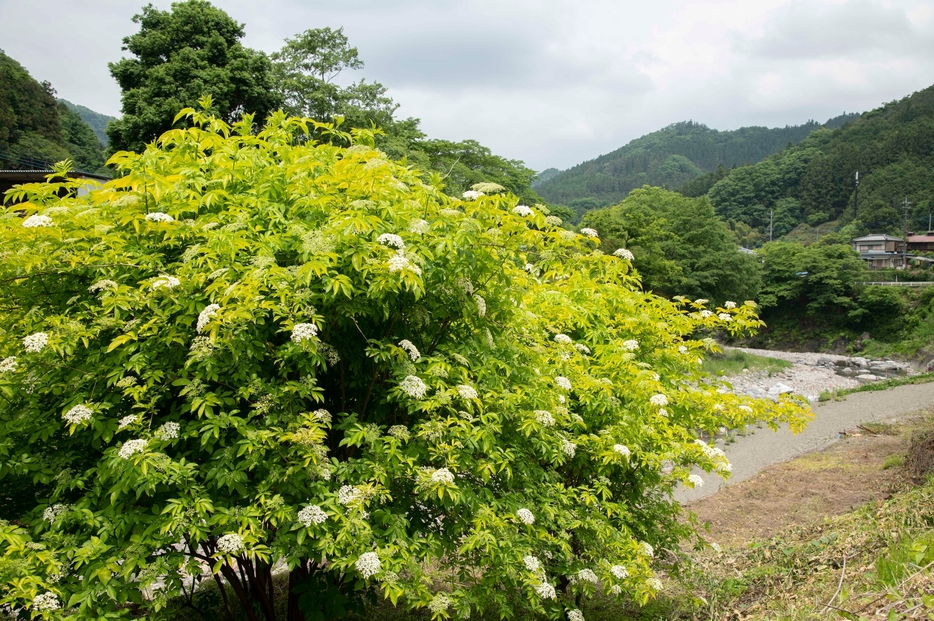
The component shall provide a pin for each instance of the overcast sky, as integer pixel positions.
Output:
(552, 82)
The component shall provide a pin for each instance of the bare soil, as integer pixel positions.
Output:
(809, 488)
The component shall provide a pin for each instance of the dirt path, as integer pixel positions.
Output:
(751, 453)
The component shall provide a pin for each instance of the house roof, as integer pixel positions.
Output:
(914, 239)
(877, 237)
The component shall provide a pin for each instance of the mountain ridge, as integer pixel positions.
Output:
(669, 157)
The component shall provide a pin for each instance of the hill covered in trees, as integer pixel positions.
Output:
(668, 158)
(813, 181)
(95, 120)
(35, 127)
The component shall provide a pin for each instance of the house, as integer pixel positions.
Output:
(881, 251)
(921, 243)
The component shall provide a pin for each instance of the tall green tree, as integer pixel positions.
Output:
(681, 247)
(305, 69)
(179, 56)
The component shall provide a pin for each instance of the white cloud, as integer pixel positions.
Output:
(553, 82)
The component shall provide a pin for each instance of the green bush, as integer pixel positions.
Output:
(253, 351)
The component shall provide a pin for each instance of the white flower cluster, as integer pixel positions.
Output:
(654, 583)
(414, 387)
(439, 603)
(553, 220)
(330, 353)
(683, 349)
(101, 285)
(400, 432)
(730, 305)
(392, 240)
(563, 382)
(725, 317)
(529, 268)
(158, 216)
(616, 590)
(582, 348)
(368, 564)
(419, 226)
(205, 316)
(706, 314)
(647, 549)
(36, 221)
(168, 431)
(322, 416)
(312, 514)
(51, 513)
(481, 305)
(695, 480)
(467, 392)
(544, 417)
(48, 600)
(231, 543)
(442, 475)
(348, 494)
(660, 400)
(587, 575)
(78, 415)
(622, 253)
(716, 455)
(131, 448)
(531, 563)
(126, 421)
(303, 332)
(701, 301)
(522, 211)
(575, 615)
(472, 195)
(619, 572)
(622, 449)
(631, 345)
(525, 516)
(410, 348)
(564, 339)
(164, 280)
(545, 591)
(399, 262)
(590, 232)
(34, 343)
(8, 365)
(569, 448)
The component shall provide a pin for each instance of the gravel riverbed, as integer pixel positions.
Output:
(809, 375)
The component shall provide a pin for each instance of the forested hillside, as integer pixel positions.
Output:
(668, 158)
(34, 125)
(892, 147)
(95, 120)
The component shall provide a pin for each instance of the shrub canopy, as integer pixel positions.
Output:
(254, 352)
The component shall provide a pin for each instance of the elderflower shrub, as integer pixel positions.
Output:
(269, 427)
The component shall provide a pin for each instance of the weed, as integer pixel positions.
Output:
(893, 461)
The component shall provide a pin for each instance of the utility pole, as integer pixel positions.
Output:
(771, 213)
(907, 205)
(856, 199)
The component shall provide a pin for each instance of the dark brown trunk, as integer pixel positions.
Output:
(242, 595)
(295, 577)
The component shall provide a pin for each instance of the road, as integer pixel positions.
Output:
(751, 453)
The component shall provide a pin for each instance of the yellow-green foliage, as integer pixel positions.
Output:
(378, 350)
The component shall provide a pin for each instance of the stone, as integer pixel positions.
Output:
(780, 389)
(865, 378)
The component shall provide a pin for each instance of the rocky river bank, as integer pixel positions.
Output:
(811, 374)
